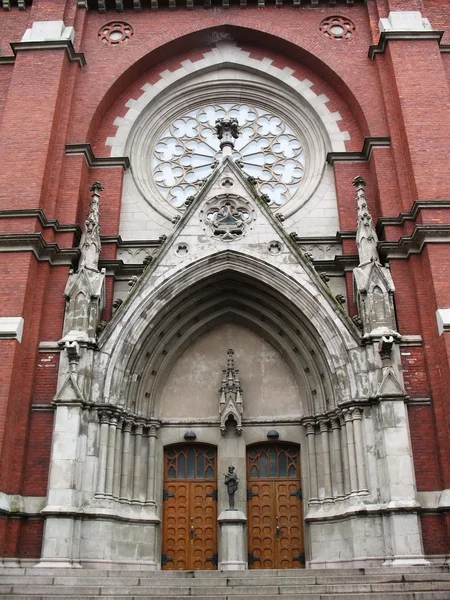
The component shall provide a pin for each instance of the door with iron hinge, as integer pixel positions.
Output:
(189, 508)
(274, 497)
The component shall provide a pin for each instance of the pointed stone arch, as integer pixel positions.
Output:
(147, 335)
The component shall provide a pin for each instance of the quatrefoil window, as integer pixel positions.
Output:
(267, 149)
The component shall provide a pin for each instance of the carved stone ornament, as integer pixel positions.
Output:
(228, 217)
(374, 287)
(90, 245)
(230, 403)
(227, 131)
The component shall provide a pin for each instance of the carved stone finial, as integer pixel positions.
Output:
(90, 245)
(366, 236)
(230, 403)
(227, 131)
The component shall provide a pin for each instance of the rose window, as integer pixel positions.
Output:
(267, 149)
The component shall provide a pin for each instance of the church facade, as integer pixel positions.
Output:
(225, 299)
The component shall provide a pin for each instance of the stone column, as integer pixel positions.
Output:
(103, 451)
(151, 463)
(125, 480)
(351, 451)
(310, 436)
(110, 455)
(118, 459)
(336, 463)
(326, 459)
(344, 451)
(359, 448)
(137, 461)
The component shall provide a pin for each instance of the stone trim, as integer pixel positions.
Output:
(49, 347)
(36, 243)
(38, 213)
(51, 45)
(11, 328)
(411, 340)
(366, 152)
(414, 243)
(18, 505)
(412, 214)
(97, 161)
(20, 4)
(443, 320)
(386, 36)
(138, 5)
(436, 501)
(418, 401)
(43, 407)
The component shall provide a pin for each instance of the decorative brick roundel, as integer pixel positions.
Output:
(115, 33)
(337, 28)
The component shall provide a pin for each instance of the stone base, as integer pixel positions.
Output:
(233, 547)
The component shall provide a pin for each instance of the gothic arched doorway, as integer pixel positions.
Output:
(275, 522)
(190, 507)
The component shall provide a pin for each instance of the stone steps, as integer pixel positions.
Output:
(425, 583)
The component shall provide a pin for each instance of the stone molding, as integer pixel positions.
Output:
(11, 328)
(414, 243)
(386, 36)
(50, 45)
(364, 155)
(412, 214)
(18, 505)
(443, 320)
(97, 161)
(20, 4)
(138, 5)
(38, 213)
(36, 243)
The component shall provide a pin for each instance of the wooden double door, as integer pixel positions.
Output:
(275, 523)
(190, 508)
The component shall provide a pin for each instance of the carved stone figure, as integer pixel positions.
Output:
(227, 131)
(231, 481)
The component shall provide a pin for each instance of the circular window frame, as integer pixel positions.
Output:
(200, 90)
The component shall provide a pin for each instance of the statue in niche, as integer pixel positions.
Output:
(231, 481)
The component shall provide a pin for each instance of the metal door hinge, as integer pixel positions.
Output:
(214, 559)
(251, 494)
(167, 495)
(300, 558)
(298, 493)
(252, 558)
(212, 495)
(165, 559)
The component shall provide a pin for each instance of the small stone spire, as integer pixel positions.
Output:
(227, 131)
(230, 403)
(366, 236)
(90, 245)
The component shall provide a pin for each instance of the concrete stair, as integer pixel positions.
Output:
(384, 583)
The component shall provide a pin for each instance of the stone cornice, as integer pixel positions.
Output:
(39, 214)
(412, 214)
(138, 5)
(52, 45)
(36, 243)
(94, 161)
(414, 243)
(387, 36)
(366, 152)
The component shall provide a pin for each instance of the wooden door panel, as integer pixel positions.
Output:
(275, 522)
(203, 515)
(190, 508)
(288, 511)
(261, 518)
(176, 526)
